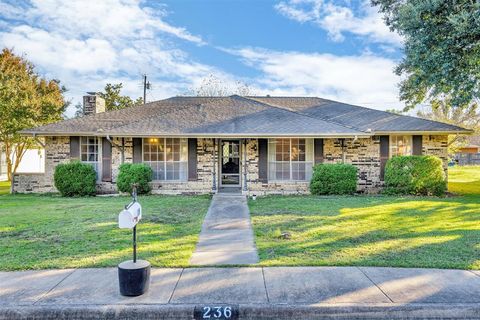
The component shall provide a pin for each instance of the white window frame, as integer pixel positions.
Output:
(97, 165)
(395, 138)
(181, 162)
(309, 160)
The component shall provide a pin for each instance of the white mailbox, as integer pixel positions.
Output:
(128, 218)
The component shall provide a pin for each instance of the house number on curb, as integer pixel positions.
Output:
(220, 312)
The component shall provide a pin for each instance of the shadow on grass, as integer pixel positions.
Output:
(402, 232)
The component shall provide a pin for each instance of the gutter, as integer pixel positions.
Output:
(38, 140)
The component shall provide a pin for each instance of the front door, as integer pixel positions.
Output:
(230, 165)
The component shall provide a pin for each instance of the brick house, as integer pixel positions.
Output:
(254, 145)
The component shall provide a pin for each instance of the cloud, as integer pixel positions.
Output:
(339, 20)
(366, 79)
(87, 44)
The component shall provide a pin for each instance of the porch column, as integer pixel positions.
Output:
(245, 165)
(214, 172)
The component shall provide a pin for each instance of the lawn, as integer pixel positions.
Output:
(464, 180)
(373, 230)
(4, 187)
(38, 232)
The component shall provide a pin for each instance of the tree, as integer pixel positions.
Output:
(442, 49)
(114, 100)
(26, 101)
(212, 86)
(467, 116)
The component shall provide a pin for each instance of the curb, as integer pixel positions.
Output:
(258, 312)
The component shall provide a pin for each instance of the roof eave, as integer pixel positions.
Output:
(199, 135)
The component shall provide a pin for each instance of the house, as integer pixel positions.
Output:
(254, 145)
(470, 153)
(32, 162)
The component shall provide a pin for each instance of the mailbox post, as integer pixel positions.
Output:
(133, 275)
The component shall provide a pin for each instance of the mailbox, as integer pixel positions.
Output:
(133, 275)
(128, 218)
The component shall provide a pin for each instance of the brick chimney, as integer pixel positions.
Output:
(93, 103)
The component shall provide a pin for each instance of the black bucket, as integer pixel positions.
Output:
(134, 278)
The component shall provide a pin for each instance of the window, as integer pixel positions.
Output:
(167, 157)
(89, 150)
(400, 146)
(290, 159)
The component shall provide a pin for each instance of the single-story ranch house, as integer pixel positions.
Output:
(254, 145)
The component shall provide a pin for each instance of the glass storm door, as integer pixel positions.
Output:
(230, 165)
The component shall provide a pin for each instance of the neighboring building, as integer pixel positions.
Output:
(33, 161)
(257, 145)
(3, 164)
(469, 154)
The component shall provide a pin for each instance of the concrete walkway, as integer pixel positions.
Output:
(227, 235)
(258, 293)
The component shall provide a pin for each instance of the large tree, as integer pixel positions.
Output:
(114, 100)
(26, 100)
(442, 49)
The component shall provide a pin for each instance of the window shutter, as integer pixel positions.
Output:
(417, 145)
(192, 159)
(384, 153)
(137, 150)
(106, 160)
(74, 148)
(263, 160)
(318, 147)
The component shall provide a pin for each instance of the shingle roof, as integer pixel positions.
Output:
(242, 116)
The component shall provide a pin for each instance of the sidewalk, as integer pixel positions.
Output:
(227, 235)
(259, 293)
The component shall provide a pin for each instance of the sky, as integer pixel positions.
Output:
(339, 50)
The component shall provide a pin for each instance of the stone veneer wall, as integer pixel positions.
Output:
(364, 153)
(436, 145)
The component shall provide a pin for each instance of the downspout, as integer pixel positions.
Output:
(214, 186)
(245, 165)
(38, 140)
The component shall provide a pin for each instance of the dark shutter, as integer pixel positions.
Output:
(263, 160)
(137, 150)
(74, 148)
(384, 153)
(192, 159)
(318, 147)
(417, 145)
(106, 160)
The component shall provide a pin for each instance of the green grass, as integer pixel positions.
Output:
(4, 187)
(373, 230)
(464, 180)
(38, 232)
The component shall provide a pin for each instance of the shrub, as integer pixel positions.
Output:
(75, 179)
(415, 175)
(138, 173)
(334, 179)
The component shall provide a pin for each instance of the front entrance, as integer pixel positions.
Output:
(230, 163)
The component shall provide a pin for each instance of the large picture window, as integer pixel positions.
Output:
(290, 159)
(89, 151)
(400, 146)
(167, 157)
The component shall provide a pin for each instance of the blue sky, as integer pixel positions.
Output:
(334, 49)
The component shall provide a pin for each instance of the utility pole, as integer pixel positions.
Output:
(146, 85)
